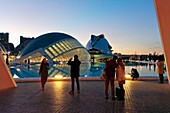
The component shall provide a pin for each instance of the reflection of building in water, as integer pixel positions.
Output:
(63, 70)
(95, 70)
(20, 71)
(56, 47)
(99, 48)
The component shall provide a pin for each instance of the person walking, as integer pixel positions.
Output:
(120, 76)
(75, 68)
(160, 69)
(43, 72)
(110, 75)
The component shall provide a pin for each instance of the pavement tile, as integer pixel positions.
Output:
(140, 97)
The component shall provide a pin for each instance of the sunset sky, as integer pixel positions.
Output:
(129, 25)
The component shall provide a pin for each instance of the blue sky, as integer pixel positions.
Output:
(129, 25)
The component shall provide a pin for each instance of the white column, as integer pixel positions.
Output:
(163, 15)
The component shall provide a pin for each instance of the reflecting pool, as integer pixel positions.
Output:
(145, 70)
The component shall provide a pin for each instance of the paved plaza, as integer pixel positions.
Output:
(140, 97)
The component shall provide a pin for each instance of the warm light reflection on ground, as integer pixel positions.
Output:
(59, 85)
(128, 76)
(59, 90)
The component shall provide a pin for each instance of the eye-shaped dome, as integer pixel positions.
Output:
(100, 44)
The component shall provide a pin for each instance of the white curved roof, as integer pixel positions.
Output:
(99, 43)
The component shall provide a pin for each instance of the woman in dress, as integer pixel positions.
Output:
(43, 72)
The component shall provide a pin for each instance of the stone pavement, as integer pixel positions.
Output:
(141, 97)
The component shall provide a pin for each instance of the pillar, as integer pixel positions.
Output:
(6, 79)
(163, 16)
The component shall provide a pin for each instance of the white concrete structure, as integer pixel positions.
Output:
(100, 44)
(163, 16)
(6, 80)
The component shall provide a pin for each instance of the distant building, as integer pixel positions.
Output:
(98, 45)
(99, 48)
(4, 39)
(23, 39)
(23, 42)
(56, 47)
(11, 47)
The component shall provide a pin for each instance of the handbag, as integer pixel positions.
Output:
(120, 94)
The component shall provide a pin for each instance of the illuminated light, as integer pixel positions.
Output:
(15, 76)
(58, 76)
(18, 69)
(128, 76)
(9, 52)
(18, 57)
(61, 62)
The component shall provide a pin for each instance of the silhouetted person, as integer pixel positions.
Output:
(134, 73)
(110, 75)
(160, 69)
(149, 67)
(154, 67)
(28, 63)
(75, 68)
(43, 72)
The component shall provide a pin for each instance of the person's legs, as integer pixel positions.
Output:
(72, 83)
(42, 83)
(78, 85)
(106, 88)
(161, 77)
(45, 80)
(111, 80)
(122, 94)
(72, 86)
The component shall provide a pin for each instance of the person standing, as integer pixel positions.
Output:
(75, 68)
(110, 75)
(160, 69)
(43, 72)
(120, 76)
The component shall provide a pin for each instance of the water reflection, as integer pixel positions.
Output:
(145, 69)
(57, 70)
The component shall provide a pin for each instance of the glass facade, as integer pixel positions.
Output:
(59, 49)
